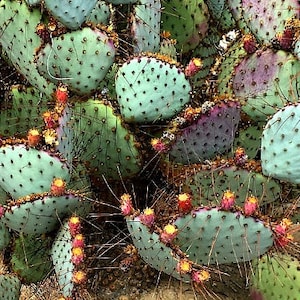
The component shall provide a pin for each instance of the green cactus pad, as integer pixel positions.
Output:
(280, 145)
(211, 236)
(31, 258)
(4, 235)
(23, 112)
(103, 143)
(146, 26)
(187, 21)
(212, 133)
(149, 90)
(25, 170)
(152, 250)
(16, 17)
(265, 82)
(10, 287)
(208, 186)
(276, 277)
(33, 2)
(43, 213)
(70, 13)
(249, 138)
(100, 14)
(80, 59)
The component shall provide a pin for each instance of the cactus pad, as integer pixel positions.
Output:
(211, 236)
(276, 277)
(25, 170)
(209, 135)
(149, 89)
(280, 145)
(102, 142)
(42, 213)
(30, 258)
(71, 13)
(80, 59)
(10, 286)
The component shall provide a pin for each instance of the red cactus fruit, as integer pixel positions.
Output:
(74, 226)
(50, 119)
(159, 145)
(249, 43)
(148, 217)
(58, 187)
(1, 211)
(79, 277)
(184, 202)
(77, 255)
(200, 276)
(62, 94)
(33, 137)
(168, 234)
(250, 205)
(282, 237)
(193, 67)
(240, 156)
(228, 200)
(126, 205)
(78, 241)
(184, 266)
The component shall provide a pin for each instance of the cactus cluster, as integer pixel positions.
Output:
(200, 96)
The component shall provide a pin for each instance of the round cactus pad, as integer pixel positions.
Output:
(152, 250)
(149, 89)
(25, 170)
(212, 236)
(43, 214)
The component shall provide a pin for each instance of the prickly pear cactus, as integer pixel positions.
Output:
(146, 26)
(152, 250)
(10, 286)
(4, 233)
(210, 134)
(67, 253)
(26, 170)
(31, 258)
(20, 48)
(23, 112)
(71, 13)
(187, 21)
(41, 214)
(211, 236)
(80, 59)
(150, 89)
(103, 143)
(100, 14)
(263, 81)
(280, 144)
(276, 276)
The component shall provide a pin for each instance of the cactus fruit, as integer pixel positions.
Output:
(276, 276)
(27, 170)
(150, 89)
(31, 258)
(145, 26)
(209, 134)
(102, 142)
(280, 143)
(20, 48)
(10, 286)
(71, 13)
(65, 60)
